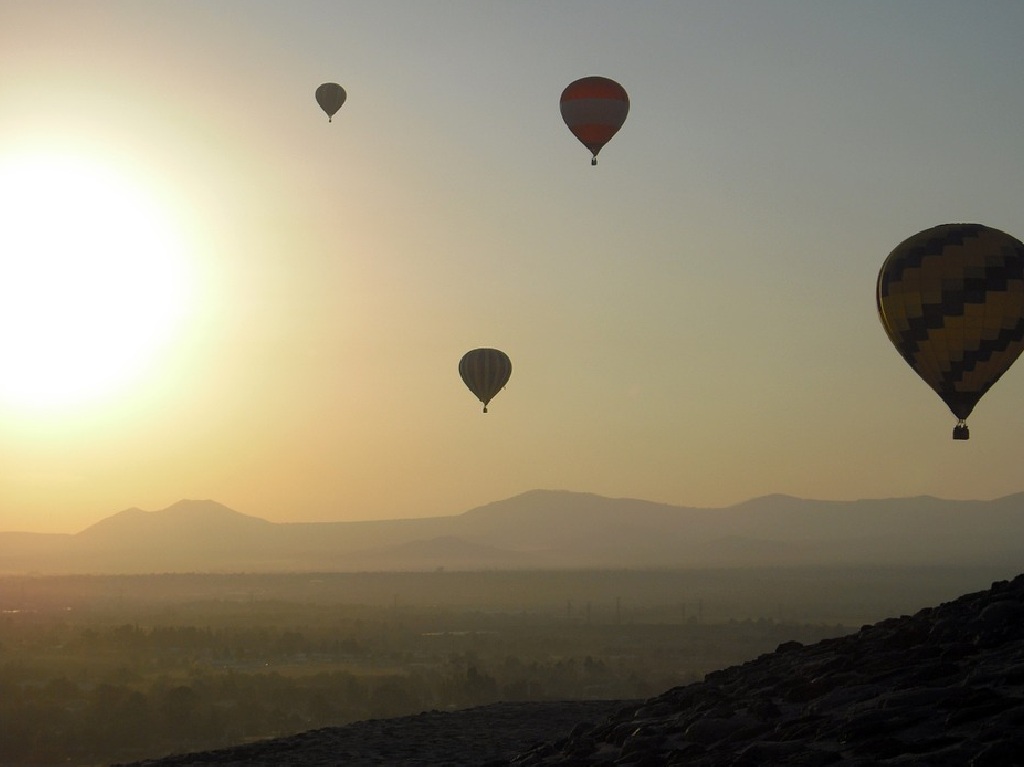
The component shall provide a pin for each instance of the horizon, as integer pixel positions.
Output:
(271, 520)
(208, 289)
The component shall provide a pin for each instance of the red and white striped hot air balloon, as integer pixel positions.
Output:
(594, 108)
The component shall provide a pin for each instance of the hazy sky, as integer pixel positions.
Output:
(692, 321)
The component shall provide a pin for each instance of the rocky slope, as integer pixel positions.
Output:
(942, 687)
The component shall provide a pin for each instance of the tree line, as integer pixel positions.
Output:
(112, 685)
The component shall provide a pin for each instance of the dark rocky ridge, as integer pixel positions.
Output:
(942, 687)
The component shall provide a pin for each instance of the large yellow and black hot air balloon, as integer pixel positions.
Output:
(330, 97)
(594, 108)
(485, 372)
(951, 300)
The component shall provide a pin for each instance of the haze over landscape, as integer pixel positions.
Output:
(198, 627)
(211, 292)
(542, 530)
(244, 494)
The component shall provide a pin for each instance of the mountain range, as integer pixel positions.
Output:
(540, 529)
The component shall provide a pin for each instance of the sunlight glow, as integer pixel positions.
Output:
(93, 280)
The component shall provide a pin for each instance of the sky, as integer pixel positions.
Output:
(210, 291)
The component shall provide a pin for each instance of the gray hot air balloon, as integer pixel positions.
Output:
(485, 372)
(330, 97)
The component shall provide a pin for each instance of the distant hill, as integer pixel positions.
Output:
(541, 529)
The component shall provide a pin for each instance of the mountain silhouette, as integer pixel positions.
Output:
(188, 522)
(539, 529)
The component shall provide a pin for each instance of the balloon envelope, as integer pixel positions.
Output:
(951, 300)
(330, 97)
(594, 108)
(485, 372)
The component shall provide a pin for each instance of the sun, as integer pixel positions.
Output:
(93, 280)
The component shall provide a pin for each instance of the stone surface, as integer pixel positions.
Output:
(484, 735)
(942, 687)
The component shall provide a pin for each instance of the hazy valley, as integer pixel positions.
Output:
(96, 669)
(197, 626)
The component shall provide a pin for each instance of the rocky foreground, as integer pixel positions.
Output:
(942, 687)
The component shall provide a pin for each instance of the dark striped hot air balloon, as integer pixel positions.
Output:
(330, 97)
(594, 108)
(951, 300)
(485, 372)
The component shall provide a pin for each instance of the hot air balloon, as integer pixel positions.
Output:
(485, 372)
(951, 300)
(594, 108)
(330, 97)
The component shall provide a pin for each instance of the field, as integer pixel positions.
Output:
(101, 669)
